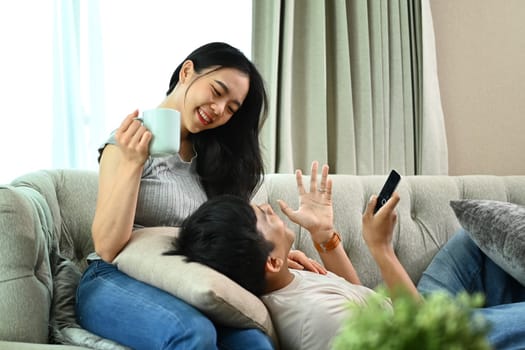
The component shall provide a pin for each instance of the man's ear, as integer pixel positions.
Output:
(186, 71)
(273, 264)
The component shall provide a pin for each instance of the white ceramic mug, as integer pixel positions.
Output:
(164, 124)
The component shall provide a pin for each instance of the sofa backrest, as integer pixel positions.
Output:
(41, 209)
(425, 218)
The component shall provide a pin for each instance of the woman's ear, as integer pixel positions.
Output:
(273, 264)
(186, 71)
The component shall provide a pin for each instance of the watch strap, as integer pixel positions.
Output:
(329, 244)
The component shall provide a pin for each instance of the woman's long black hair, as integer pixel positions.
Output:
(229, 158)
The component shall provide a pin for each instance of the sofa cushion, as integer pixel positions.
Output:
(221, 299)
(63, 325)
(498, 228)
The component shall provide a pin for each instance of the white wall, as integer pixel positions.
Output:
(481, 57)
(142, 42)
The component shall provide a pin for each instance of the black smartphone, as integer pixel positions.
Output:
(387, 190)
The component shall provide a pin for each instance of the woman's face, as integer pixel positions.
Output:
(209, 99)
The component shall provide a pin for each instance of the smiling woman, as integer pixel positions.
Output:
(77, 68)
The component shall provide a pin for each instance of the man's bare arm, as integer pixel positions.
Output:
(377, 232)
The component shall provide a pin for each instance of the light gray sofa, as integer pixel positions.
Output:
(47, 214)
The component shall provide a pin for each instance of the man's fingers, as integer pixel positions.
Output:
(392, 202)
(389, 206)
(329, 189)
(285, 208)
(371, 205)
(324, 185)
(313, 176)
(282, 204)
(324, 176)
(299, 181)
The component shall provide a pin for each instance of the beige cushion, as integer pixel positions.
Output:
(221, 299)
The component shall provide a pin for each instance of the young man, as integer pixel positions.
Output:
(250, 245)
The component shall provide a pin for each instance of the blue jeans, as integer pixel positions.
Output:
(115, 306)
(461, 266)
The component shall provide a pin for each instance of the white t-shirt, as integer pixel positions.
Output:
(308, 313)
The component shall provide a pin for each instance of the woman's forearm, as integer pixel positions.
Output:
(116, 206)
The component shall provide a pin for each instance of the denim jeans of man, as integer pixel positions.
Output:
(461, 266)
(115, 306)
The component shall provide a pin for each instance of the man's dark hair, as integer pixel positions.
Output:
(222, 234)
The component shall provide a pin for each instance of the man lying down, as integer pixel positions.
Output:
(250, 245)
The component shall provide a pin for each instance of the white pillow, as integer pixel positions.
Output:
(218, 297)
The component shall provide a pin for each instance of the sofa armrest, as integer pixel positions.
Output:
(41, 213)
(71, 198)
(25, 274)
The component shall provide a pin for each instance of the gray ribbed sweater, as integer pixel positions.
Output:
(169, 192)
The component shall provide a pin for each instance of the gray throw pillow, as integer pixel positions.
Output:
(63, 325)
(498, 228)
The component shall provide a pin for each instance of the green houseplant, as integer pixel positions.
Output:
(440, 322)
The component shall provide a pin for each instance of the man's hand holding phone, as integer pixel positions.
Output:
(388, 189)
(379, 221)
(378, 226)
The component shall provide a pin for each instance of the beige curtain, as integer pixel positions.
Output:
(347, 86)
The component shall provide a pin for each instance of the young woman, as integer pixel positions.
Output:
(221, 98)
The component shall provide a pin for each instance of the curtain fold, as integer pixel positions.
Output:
(433, 152)
(345, 86)
(78, 87)
(66, 86)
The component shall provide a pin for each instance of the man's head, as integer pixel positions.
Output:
(273, 229)
(240, 241)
